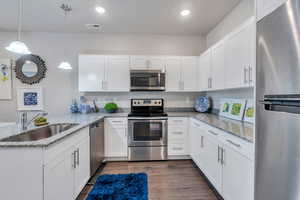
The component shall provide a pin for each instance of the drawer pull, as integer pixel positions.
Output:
(177, 148)
(117, 121)
(178, 121)
(234, 144)
(216, 134)
(177, 133)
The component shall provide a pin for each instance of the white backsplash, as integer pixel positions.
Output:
(172, 100)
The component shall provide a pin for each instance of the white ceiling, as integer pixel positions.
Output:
(123, 16)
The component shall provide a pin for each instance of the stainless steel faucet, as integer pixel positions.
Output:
(25, 123)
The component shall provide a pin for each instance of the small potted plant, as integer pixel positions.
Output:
(111, 107)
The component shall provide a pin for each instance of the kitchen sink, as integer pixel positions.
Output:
(40, 133)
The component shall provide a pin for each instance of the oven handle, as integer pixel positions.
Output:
(148, 118)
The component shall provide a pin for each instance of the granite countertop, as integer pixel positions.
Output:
(237, 128)
(83, 120)
(240, 129)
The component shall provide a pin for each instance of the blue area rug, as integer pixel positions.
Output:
(120, 187)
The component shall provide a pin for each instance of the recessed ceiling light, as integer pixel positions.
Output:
(100, 10)
(185, 12)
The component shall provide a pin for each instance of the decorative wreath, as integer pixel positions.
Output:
(40, 63)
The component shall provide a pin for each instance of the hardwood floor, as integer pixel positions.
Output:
(169, 180)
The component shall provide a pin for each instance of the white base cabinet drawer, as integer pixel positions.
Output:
(177, 133)
(178, 136)
(177, 148)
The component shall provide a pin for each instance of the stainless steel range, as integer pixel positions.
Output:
(147, 130)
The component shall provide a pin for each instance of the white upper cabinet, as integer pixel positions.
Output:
(218, 66)
(147, 62)
(173, 74)
(181, 73)
(189, 73)
(91, 73)
(117, 74)
(240, 57)
(265, 7)
(204, 71)
(103, 73)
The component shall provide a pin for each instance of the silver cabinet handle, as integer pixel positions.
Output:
(219, 151)
(210, 83)
(74, 159)
(245, 75)
(250, 74)
(216, 134)
(177, 148)
(117, 121)
(202, 142)
(179, 121)
(223, 156)
(77, 162)
(234, 144)
(177, 133)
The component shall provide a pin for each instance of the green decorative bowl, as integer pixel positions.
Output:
(111, 107)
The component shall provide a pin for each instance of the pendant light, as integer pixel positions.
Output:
(65, 65)
(18, 46)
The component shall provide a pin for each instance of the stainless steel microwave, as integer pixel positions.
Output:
(147, 80)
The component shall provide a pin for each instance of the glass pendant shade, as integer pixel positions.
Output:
(18, 47)
(65, 65)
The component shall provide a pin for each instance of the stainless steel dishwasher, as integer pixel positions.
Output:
(96, 145)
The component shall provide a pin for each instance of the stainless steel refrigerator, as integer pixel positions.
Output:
(278, 105)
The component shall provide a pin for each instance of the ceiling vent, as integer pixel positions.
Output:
(96, 27)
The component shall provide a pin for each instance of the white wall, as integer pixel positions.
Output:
(60, 87)
(243, 11)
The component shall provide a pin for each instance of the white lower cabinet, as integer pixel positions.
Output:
(59, 177)
(67, 167)
(116, 137)
(237, 176)
(210, 158)
(178, 139)
(223, 161)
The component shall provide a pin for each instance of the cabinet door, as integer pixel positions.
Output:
(115, 140)
(212, 167)
(117, 73)
(265, 7)
(138, 62)
(239, 56)
(59, 177)
(156, 62)
(91, 73)
(82, 170)
(204, 71)
(237, 176)
(189, 73)
(218, 66)
(196, 143)
(173, 74)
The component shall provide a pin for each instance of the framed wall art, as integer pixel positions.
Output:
(30, 99)
(233, 108)
(5, 79)
(249, 112)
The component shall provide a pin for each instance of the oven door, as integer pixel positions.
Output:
(147, 132)
(147, 80)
